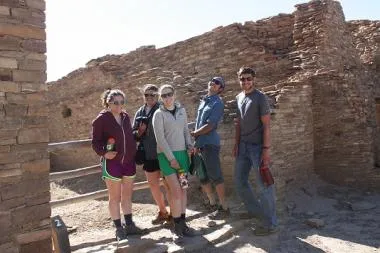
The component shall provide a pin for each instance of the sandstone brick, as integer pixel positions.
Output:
(33, 135)
(22, 31)
(32, 65)
(8, 141)
(8, 63)
(4, 11)
(29, 76)
(37, 246)
(35, 56)
(5, 223)
(31, 213)
(35, 121)
(8, 247)
(36, 4)
(33, 87)
(33, 236)
(20, 13)
(6, 134)
(6, 75)
(12, 203)
(6, 86)
(5, 149)
(36, 46)
(38, 199)
(10, 173)
(10, 192)
(38, 111)
(12, 3)
(15, 111)
(38, 166)
(31, 99)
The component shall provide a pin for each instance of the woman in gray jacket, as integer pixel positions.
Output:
(173, 146)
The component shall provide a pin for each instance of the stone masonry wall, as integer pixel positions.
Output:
(24, 162)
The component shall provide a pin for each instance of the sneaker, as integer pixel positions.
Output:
(134, 230)
(120, 234)
(161, 218)
(220, 214)
(261, 231)
(188, 231)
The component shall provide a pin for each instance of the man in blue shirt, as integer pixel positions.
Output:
(207, 142)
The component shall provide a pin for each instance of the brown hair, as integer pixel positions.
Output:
(108, 95)
(166, 86)
(246, 70)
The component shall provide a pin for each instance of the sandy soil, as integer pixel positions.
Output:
(348, 219)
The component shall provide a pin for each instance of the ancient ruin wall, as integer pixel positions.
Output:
(24, 162)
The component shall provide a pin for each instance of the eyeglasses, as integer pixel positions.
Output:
(170, 94)
(149, 95)
(116, 102)
(242, 79)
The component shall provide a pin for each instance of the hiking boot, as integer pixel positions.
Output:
(211, 208)
(188, 231)
(261, 231)
(120, 234)
(161, 218)
(248, 216)
(132, 229)
(178, 232)
(220, 214)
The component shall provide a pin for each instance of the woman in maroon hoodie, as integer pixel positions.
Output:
(112, 139)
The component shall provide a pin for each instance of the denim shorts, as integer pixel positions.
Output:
(210, 155)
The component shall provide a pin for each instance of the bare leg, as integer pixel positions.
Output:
(114, 198)
(154, 184)
(221, 195)
(210, 195)
(175, 194)
(126, 195)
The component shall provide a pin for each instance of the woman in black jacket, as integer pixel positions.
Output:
(143, 132)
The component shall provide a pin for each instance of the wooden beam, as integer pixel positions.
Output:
(58, 176)
(68, 145)
(95, 195)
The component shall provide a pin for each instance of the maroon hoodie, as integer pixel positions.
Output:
(104, 127)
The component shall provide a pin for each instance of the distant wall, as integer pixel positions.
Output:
(24, 163)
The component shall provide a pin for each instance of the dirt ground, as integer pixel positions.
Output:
(319, 217)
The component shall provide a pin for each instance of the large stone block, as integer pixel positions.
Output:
(6, 75)
(36, 4)
(29, 214)
(37, 246)
(4, 11)
(33, 236)
(33, 87)
(37, 167)
(35, 121)
(37, 46)
(32, 65)
(6, 134)
(38, 199)
(29, 76)
(8, 63)
(22, 31)
(15, 111)
(13, 203)
(9, 86)
(33, 135)
(5, 223)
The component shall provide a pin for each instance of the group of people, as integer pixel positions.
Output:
(161, 128)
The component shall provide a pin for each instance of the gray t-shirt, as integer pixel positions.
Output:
(250, 109)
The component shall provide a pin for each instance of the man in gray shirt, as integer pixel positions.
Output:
(252, 143)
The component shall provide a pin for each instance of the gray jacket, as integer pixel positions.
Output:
(172, 132)
(148, 139)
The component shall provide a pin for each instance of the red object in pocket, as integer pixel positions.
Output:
(266, 175)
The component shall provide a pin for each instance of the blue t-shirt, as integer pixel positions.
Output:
(210, 111)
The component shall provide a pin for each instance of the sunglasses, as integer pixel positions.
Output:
(215, 81)
(149, 95)
(170, 94)
(116, 102)
(242, 79)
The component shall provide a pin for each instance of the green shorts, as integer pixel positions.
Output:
(182, 158)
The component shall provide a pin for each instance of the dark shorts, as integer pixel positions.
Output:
(151, 165)
(211, 159)
(114, 170)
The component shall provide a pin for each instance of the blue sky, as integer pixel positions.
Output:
(81, 30)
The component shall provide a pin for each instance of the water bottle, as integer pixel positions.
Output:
(182, 177)
(110, 144)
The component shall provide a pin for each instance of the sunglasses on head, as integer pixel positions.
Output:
(149, 95)
(116, 102)
(170, 94)
(215, 81)
(242, 79)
